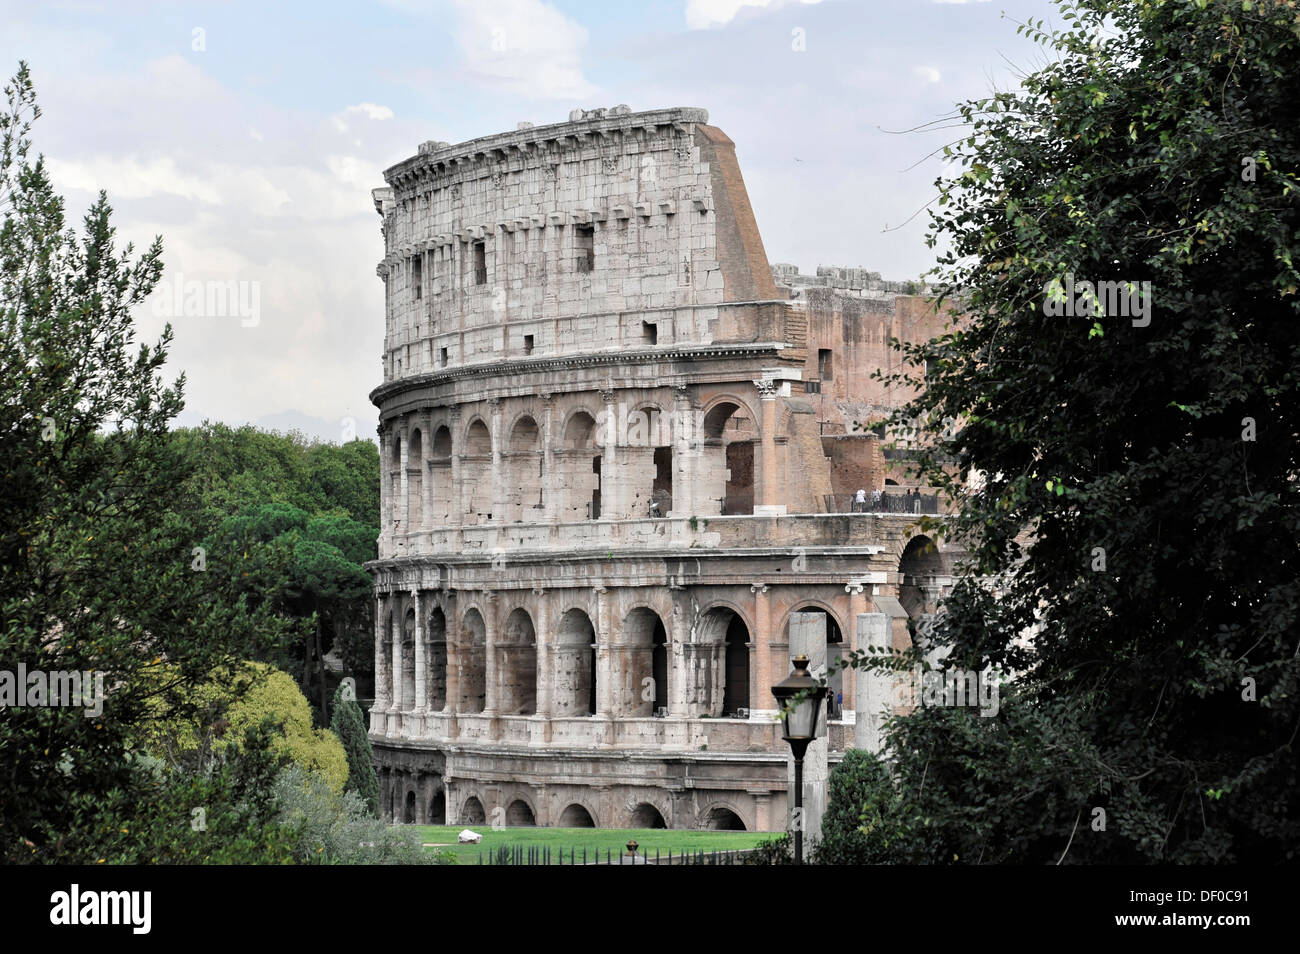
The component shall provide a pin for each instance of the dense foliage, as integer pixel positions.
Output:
(1139, 511)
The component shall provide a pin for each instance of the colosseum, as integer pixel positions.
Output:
(622, 483)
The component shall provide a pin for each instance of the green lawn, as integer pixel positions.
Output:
(593, 839)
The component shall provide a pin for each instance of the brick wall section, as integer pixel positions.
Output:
(856, 463)
(746, 275)
(808, 472)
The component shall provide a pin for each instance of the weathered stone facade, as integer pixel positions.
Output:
(607, 488)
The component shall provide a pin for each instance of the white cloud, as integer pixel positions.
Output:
(959, 1)
(702, 14)
(131, 178)
(525, 47)
(927, 73)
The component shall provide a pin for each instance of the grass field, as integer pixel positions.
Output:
(593, 839)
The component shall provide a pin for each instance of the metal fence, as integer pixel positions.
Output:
(885, 503)
(543, 855)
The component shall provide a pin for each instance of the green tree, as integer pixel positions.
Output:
(1139, 512)
(96, 527)
(349, 725)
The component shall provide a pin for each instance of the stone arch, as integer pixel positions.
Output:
(574, 692)
(438, 808)
(441, 490)
(436, 659)
(921, 567)
(836, 647)
(721, 816)
(578, 463)
(522, 470)
(647, 815)
(473, 662)
(520, 814)
(723, 649)
(476, 472)
(408, 661)
(415, 479)
(384, 664)
(395, 481)
(726, 475)
(471, 812)
(517, 664)
(644, 653)
(579, 431)
(577, 815)
(408, 814)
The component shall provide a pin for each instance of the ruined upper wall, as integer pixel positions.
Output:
(613, 230)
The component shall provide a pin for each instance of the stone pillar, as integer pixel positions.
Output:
(604, 671)
(499, 508)
(808, 637)
(768, 490)
(678, 632)
(385, 493)
(873, 700)
(685, 452)
(611, 484)
(453, 660)
(383, 678)
(421, 668)
(857, 606)
(404, 504)
(552, 488)
(762, 704)
(545, 655)
(426, 473)
(492, 696)
(457, 503)
(396, 674)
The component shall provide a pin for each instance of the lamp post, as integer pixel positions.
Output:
(800, 699)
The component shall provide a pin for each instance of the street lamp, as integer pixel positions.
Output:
(800, 699)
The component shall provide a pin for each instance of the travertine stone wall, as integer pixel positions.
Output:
(602, 486)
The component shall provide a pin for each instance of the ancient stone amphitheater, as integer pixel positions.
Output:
(620, 476)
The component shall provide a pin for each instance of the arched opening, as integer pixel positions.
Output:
(644, 682)
(409, 815)
(408, 661)
(646, 457)
(721, 686)
(921, 567)
(727, 474)
(646, 815)
(476, 473)
(575, 816)
(575, 665)
(438, 809)
(517, 649)
(415, 480)
(437, 660)
(723, 819)
(834, 653)
(519, 815)
(473, 673)
(578, 465)
(440, 475)
(523, 472)
(471, 813)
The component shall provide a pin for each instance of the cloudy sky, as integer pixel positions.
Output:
(249, 135)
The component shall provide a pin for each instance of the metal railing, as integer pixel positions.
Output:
(885, 502)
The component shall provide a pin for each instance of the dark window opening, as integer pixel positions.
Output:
(593, 508)
(442, 357)
(824, 364)
(649, 332)
(417, 276)
(480, 263)
(528, 344)
(584, 244)
(661, 494)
